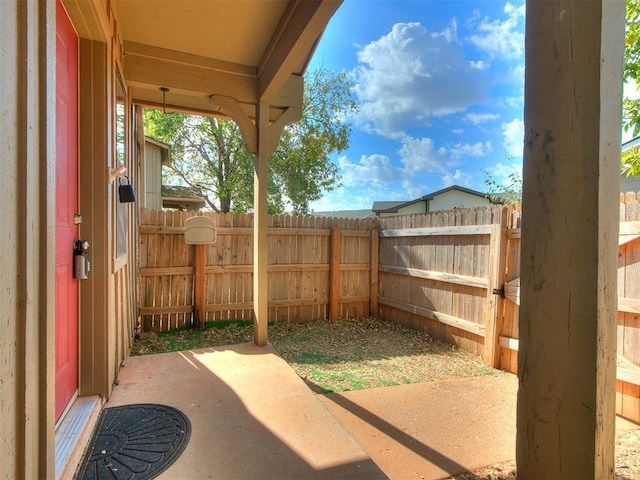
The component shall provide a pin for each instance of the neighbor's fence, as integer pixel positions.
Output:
(317, 268)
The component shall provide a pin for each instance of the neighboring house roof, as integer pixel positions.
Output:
(346, 214)
(634, 142)
(430, 196)
(182, 198)
(389, 206)
(394, 207)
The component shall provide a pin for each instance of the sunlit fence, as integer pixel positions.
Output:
(454, 274)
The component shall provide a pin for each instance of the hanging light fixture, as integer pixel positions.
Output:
(164, 91)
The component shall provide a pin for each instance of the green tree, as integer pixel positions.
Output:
(509, 192)
(208, 152)
(631, 107)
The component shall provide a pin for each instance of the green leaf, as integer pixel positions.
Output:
(208, 153)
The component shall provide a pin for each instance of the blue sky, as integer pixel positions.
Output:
(440, 90)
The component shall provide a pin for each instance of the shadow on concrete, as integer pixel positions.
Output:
(431, 455)
(252, 416)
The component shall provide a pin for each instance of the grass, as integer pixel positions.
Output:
(352, 354)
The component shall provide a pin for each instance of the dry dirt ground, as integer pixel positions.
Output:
(366, 353)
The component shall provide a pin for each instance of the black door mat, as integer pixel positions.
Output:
(135, 442)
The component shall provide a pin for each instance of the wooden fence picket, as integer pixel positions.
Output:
(434, 272)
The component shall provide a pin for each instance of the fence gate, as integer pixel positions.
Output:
(508, 339)
(438, 272)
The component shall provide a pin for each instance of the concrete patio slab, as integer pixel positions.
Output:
(252, 417)
(432, 430)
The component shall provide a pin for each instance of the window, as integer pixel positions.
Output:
(121, 209)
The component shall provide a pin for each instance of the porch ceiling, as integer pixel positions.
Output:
(249, 50)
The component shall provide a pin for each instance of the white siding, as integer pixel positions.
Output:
(418, 207)
(456, 199)
(153, 176)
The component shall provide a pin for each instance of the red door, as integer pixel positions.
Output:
(66, 207)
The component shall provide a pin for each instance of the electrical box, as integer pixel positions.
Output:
(199, 230)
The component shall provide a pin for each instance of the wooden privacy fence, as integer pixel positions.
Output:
(317, 268)
(456, 275)
(628, 320)
(438, 272)
(453, 274)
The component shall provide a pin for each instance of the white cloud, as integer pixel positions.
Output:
(478, 118)
(458, 177)
(461, 150)
(409, 76)
(418, 155)
(501, 39)
(501, 172)
(369, 169)
(479, 64)
(513, 137)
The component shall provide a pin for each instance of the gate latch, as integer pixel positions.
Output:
(499, 291)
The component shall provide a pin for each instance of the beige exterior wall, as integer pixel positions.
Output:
(27, 39)
(27, 298)
(456, 199)
(418, 207)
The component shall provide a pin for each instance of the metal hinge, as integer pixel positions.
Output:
(499, 291)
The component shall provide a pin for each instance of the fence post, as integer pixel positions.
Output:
(199, 287)
(495, 310)
(334, 276)
(373, 292)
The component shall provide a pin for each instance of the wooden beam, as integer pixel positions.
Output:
(290, 115)
(196, 80)
(629, 228)
(289, 49)
(438, 231)
(173, 230)
(629, 305)
(512, 290)
(231, 108)
(450, 320)
(465, 280)
(188, 59)
(509, 342)
(624, 239)
(571, 171)
(260, 182)
(627, 371)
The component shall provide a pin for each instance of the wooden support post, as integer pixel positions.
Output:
(260, 181)
(495, 312)
(334, 276)
(373, 301)
(571, 172)
(199, 287)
